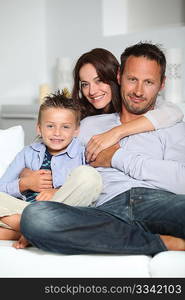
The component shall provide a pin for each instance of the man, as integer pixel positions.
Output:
(141, 208)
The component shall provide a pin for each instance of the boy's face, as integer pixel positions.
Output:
(57, 128)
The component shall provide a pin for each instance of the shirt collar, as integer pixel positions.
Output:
(72, 149)
(39, 146)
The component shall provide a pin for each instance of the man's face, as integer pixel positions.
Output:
(140, 84)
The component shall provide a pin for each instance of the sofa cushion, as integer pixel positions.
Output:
(11, 142)
(168, 264)
(32, 262)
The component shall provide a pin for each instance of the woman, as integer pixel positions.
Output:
(97, 90)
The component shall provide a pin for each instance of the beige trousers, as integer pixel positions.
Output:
(82, 188)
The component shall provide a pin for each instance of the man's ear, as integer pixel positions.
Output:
(163, 84)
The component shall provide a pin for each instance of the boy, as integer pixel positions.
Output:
(53, 158)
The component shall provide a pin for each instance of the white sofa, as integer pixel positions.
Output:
(32, 262)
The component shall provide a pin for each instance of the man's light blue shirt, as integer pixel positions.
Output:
(32, 157)
(153, 159)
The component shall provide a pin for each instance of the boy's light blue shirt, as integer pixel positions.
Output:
(153, 159)
(32, 157)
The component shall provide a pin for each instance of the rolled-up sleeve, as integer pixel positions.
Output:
(165, 114)
(163, 174)
(9, 182)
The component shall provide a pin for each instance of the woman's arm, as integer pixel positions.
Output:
(111, 137)
(164, 115)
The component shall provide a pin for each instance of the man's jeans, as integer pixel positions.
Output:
(130, 223)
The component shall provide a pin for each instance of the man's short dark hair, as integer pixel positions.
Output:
(148, 50)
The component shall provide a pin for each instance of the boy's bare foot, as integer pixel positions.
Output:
(21, 243)
(173, 243)
(9, 234)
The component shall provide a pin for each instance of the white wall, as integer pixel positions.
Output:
(126, 16)
(155, 13)
(35, 33)
(73, 27)
(22, 50)
(80, 26)
(171, 37)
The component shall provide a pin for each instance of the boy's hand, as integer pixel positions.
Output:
(36, 181)
(46, 195)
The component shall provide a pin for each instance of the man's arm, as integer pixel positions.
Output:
(163, 174)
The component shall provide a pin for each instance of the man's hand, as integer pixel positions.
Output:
(104, 158)
(36, 181)
(46, 195)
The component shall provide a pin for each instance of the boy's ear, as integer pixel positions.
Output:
(38, 129)
(76, 132)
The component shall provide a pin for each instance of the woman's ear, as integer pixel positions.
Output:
(118, 76)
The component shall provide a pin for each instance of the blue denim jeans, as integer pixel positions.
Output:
(130, 223)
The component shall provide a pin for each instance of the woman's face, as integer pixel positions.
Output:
(97, 92)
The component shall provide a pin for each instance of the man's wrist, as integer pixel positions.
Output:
(117, 160)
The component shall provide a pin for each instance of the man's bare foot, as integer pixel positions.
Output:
(173, 243)
(21, 243)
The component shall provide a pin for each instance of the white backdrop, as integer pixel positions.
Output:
(34, 34)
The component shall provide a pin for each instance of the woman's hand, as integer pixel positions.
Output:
(104, 158)
(109, 138)
(102, 141)
(46, 195)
